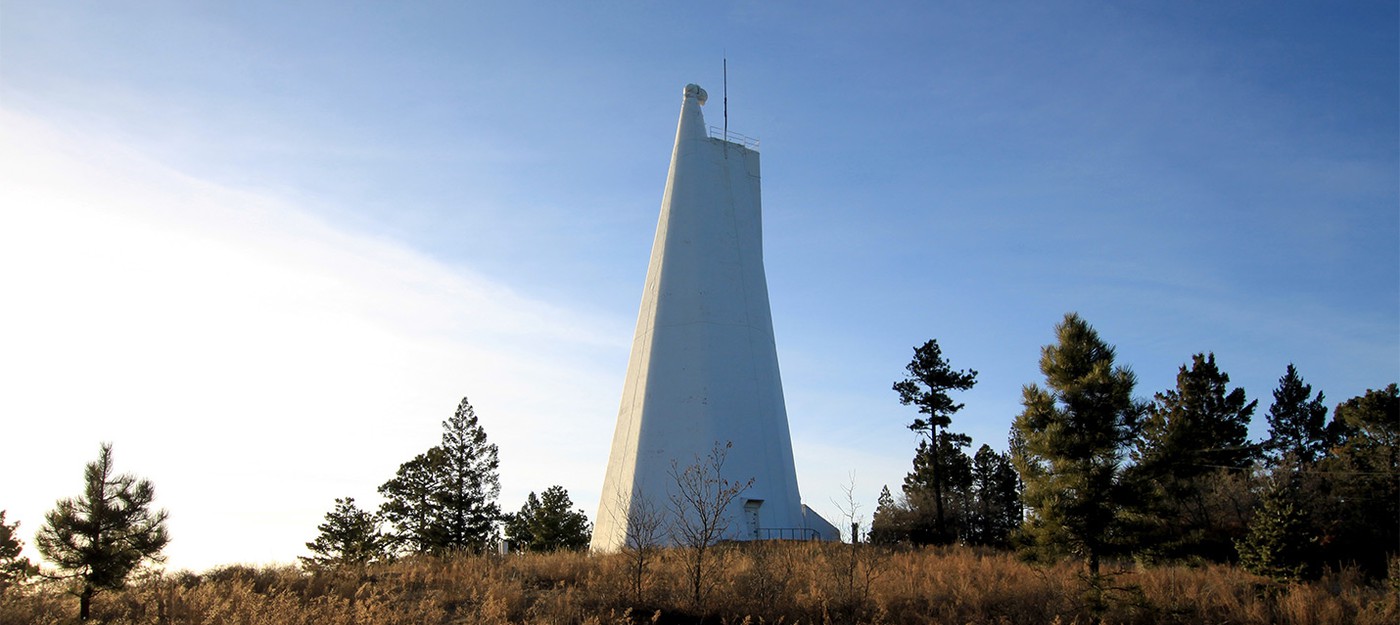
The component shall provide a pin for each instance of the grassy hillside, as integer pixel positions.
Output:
(769, 583)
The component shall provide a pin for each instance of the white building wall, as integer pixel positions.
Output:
(704, 366)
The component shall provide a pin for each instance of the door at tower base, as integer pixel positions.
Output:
(703, 389)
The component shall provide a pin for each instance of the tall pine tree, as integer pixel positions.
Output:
(951, 465)
(996, 499)
(1076, 433)
(1191, 434)
(927, 384)
(1360, 511)
(444, 499)
(1297, 422)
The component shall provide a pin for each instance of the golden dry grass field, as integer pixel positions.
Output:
(787, 583)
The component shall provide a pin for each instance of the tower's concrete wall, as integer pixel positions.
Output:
(704, 366)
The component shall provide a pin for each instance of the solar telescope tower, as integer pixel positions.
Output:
(704, 366)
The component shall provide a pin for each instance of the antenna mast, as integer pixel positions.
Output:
(726, 99)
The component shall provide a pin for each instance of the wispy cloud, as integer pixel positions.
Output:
(255, 361)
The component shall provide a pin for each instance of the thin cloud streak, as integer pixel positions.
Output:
(273, 362)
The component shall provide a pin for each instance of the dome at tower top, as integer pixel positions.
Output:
(693, 90)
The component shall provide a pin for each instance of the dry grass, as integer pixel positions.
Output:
(767, 583)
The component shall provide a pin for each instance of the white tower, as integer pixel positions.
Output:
(704, 367)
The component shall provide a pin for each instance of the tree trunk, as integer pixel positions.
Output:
(699, 572)
(938, 525)
(85, 603)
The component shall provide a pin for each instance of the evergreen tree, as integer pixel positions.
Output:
(349, 537)
(1016, 453)
(927, 384)
(1358, 509)
(1191, 434)
(1076, 432)
(921, 492)
(445, 498)
(412, 504)
(546, 523)
(1278, 544)
(472, 481)
(996, 499)
(1297, 421)
(14, 568)
(891, 522)
(103, 535)
(516, 526)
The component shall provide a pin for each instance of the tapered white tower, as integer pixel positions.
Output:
(704, 367)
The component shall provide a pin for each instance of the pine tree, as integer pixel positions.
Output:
(471, 481)
(1190, 434)
(546, 523)
(996, 499)
(1297, 421)
(1076, 431)
(349, 537)
(1359, 507)
(444, 499)
(1016, 454)
(516, 526)
(14, 568)
(412, 504)
(927, 384)
(890, 524)
(1278, 544)
(921, 492)
(103, 535)
(1198, 426)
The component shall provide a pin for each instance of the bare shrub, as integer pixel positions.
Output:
(646, 527)
(698, 504)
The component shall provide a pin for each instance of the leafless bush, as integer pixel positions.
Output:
(698, 504)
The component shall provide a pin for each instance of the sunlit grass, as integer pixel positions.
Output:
(769, 583)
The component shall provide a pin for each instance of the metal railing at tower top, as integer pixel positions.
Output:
(717, 132)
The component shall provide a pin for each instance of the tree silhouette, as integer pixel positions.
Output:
(1297, 421)
(14, 568)
(349, 537)
(995, 510)
(926, 385)
(546, 523)
(103, 535)
(444, 499)
(1191, 434)
(950, 464)
(1361, 508)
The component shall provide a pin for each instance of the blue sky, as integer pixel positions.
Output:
(264, 249)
